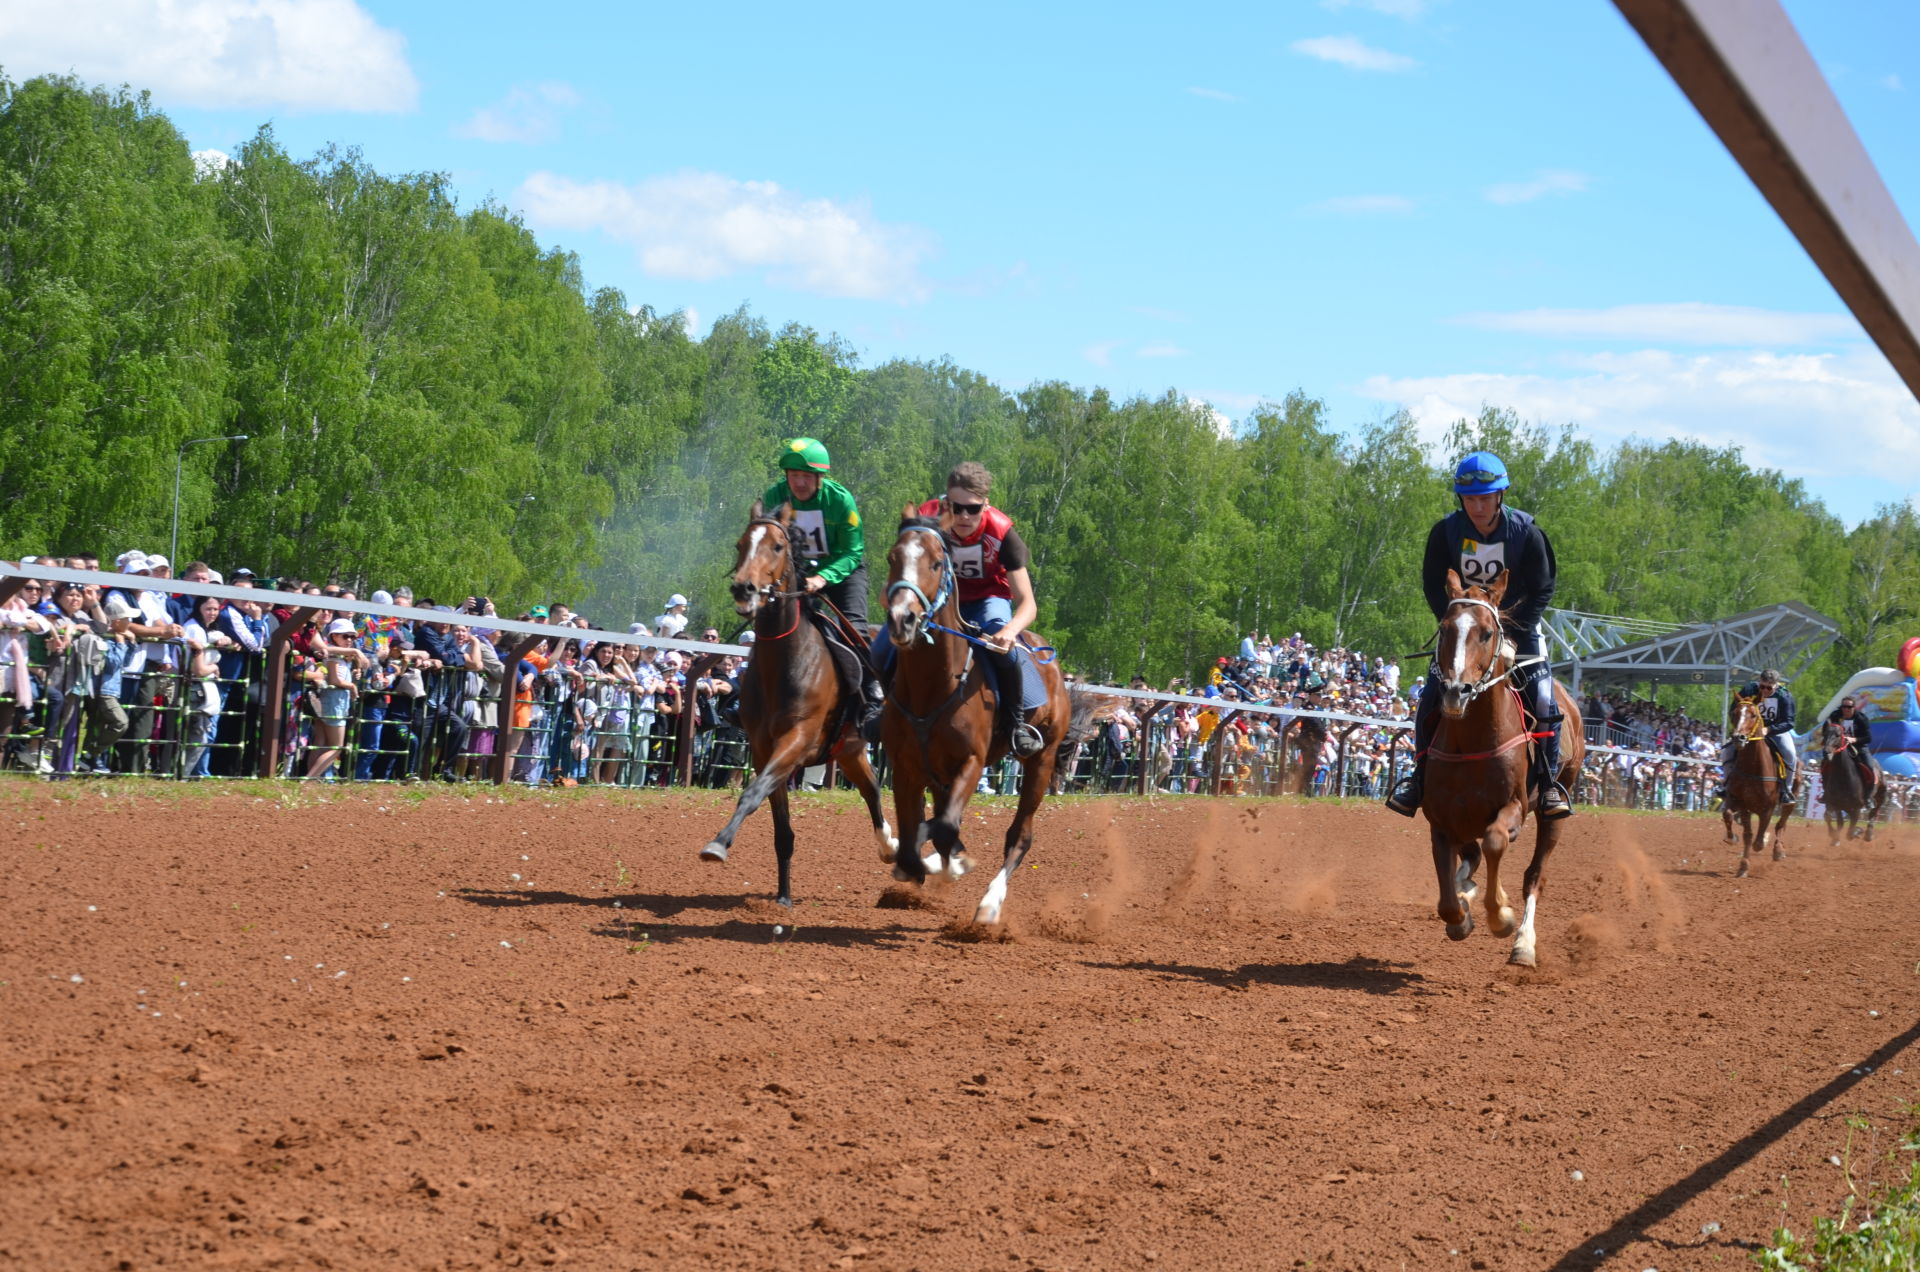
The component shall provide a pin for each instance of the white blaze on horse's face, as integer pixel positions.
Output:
(746, 606)
(904, 612)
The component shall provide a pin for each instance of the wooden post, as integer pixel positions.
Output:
(509, 734)
(689, 702)
(1143, 780)
(274, 706)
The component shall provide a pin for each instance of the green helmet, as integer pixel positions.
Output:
(805, 452)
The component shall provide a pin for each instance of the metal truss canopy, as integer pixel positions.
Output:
(1786, 637)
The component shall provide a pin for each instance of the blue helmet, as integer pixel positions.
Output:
(1480, 473)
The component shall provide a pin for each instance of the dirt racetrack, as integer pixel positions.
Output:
(259, 1028)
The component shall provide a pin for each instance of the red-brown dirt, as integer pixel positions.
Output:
(255, 1028)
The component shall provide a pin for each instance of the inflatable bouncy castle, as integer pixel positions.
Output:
(1890, 699)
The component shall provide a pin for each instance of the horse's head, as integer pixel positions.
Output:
(763, 559)
(1473, 654)
(1743, 714)
(919, 576)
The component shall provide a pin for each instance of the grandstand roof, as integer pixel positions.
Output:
(1594, 648)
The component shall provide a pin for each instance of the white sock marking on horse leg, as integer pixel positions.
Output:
(989, 911)
(883, 834)
(1523, 940)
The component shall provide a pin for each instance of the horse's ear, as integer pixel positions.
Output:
(1497, 588)
(945, 519)
(1454, 589)
(784, 516)
(909, 512)
(759, 511)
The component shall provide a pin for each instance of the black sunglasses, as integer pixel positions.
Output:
(966, 510)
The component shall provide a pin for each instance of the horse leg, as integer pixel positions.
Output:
(1035, 777)
(1546, 835)
(1726, 819)
(1493, 846)
(1746, 842)
(1778, 828)
(910, 811)
(859, 770)
(772, 775)
(952, 807)
(1452, 910)
(782, 843)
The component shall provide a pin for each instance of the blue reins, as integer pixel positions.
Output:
(940, 598)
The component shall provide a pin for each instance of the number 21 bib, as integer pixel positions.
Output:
(810, 531)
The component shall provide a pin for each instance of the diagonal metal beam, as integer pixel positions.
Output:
(1746, 70)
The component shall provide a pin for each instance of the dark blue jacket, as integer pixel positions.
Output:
(1518, 548)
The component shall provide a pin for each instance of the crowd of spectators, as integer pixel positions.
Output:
(149, 681)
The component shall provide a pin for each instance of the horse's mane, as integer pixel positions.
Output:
(920, 523)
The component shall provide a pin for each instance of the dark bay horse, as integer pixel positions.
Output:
(1843, 787)
(793, 706)
(1754, 786)
(939, 722)
(1478, 788)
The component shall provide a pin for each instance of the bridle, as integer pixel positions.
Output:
(929, 608)
(1494, 673)
(768, 593)
(1759, 726)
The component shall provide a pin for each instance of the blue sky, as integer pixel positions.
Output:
(1386, 203)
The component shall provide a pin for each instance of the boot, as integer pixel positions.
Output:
(1553, 803)
(1408, 791)
(1023, 737)
(873, 702)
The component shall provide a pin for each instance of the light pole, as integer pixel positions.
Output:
(179, 462)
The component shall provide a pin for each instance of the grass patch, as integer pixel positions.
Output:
(1878, 1227)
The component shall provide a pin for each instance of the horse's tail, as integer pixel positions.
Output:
(1089, 709)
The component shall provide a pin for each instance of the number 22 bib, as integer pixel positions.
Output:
(1481, 563)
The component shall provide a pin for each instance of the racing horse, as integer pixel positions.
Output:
(1479, 766)
(794, 706)
(939, 724)
(1754, 786)
(1844, 787)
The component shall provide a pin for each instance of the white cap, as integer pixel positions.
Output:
(340, 627)
(116, 606)
(637, 629)
(676, 599)
(132, 562)
(214, 575)
(158, 562)
(748, 637)
(382, 597)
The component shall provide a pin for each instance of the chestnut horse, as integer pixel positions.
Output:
(1754, 785)
(793, 706)
(939, 722)
(1478, 766)
(1843, 787)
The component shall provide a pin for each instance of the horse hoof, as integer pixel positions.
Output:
(1503, 924)
(714, 852)
(1521, 958)
(1778, 855)
(958, 865)
(1741, 873)
(1460, 931)
(889, 849)
(907, 876)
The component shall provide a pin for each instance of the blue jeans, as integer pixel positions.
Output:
(373, 725)
(989, 615)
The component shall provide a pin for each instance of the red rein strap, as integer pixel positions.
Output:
(1518, 739)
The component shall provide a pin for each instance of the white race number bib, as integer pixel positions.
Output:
(970, 560)
(1481, 563)
(810, 532)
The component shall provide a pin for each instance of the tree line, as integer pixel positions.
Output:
(430, 395)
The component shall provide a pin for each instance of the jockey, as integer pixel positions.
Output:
(996, 596)
(1480, 541)
(1859, 739)
(1776, 707)
(828, 546)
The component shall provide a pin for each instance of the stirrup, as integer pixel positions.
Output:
(1025, 740)
(1406, 795)
(1553, 803)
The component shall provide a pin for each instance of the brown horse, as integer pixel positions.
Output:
(939, 722)
(793, 706)
(1754, 785)
(1478, 790)
(1844, 789)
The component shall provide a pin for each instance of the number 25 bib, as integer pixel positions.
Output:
(1481, 563)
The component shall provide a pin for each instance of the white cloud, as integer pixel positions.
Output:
(1546, 181)
(1216, 95)
(1365, 205)
(303, 54)
(1408, 9)
(528, 113)
(1828, 414)
(1242, 402)
(1161, 350)
(702, 225)
(690, 320)
(207, 163)
(1686, 323)
(1345, 50)
(1892, 82)
(1100, 353)
(1222, 423)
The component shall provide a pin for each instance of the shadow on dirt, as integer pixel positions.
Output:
(1633, 1225)
(645, 905)
(763, 932)
(1367, 975)
(656, 916)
